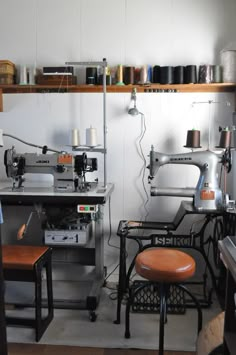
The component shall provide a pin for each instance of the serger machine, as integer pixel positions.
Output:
(207, 195)
(67, 170)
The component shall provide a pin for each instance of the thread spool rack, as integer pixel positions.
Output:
(103, 150)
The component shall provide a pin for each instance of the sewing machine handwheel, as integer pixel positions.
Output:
(228, 159)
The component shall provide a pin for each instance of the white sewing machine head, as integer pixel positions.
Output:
(68, 170)
(207, 195)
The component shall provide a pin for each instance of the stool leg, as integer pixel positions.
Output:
(199, 310)
(38, 303)
(49, 289)
(130, 300)
(122, 276)
(162, 295)
(127, 311)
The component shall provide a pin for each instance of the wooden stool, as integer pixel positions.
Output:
(25, 263)
(165, 267)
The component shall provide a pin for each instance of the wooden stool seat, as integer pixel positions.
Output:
(165, 265)
(26, 263)
(21, 257)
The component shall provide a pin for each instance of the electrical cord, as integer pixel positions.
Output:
(110, 226)
(143, 168)
(143, 123)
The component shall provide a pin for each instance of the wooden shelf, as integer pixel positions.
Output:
(153, 88)
(14, 89)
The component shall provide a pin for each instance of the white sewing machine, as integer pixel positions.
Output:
(207, 195)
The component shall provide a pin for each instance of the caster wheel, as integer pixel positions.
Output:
(92, 316)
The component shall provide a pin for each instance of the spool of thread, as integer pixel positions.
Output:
(108, 79)
(149, 73)
(228, 61)
(225, 139)
(193, 139)
(216, 73)
(32, 74)
(205, 74)
(179, 75)
(128, 75)
(120, 75)
(137, 75)
(91, 137)
(75, 140)
(190, 74)
(156, 74)
(143, 74)
(167, 75)
(91, 75)
(23, 75)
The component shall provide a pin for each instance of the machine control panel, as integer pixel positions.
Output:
(77, 236)
(87, 208)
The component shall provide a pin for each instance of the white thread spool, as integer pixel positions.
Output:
(143, 74)
(32, 74)
(23, 75)
(228, 60)
(91, 137)
(75, 137)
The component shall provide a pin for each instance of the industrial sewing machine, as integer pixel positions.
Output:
(207, 195)
(67, 170)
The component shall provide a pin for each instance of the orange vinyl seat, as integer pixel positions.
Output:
(163, 267)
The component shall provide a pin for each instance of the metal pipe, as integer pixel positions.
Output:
(173, 191)
(30, 144)
(104, 123)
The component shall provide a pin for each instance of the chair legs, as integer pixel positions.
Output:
(128, 305)
(163, 296)
(163, 313)
(41, 323)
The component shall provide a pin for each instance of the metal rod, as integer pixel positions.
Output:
(104, 150)
(104, 123)
(30, 144)
(102, 64)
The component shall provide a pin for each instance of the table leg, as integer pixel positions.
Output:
(3, 336)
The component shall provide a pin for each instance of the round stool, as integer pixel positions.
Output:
(164, 267)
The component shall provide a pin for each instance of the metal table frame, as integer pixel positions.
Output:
(48, 197)
(126, 230)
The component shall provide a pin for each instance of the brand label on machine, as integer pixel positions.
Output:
(207, 195)
(174, 241)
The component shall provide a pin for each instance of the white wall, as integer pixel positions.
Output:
(138, 32)
(164, 32)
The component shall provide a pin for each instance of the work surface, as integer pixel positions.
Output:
(40, 193)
